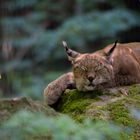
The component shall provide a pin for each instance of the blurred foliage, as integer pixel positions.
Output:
(32, 32)
(26, 125)
(135, 113)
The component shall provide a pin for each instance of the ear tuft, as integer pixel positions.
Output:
(113, 48)
(65, 45)
(71, 54)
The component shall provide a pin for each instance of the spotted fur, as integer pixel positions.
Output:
(115, 65)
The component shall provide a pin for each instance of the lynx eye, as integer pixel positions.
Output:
(97, 69)
(80, 68)
(84, 68)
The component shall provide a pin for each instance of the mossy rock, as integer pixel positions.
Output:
(10, 106)
(103, 105)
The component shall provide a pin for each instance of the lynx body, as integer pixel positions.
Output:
(115, 65)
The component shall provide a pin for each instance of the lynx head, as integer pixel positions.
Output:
(90, 70)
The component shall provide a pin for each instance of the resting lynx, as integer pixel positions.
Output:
(115, 65)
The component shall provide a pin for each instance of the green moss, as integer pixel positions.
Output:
(119, 113)
(75, 102)
(104, 106)
(75, 94)
(134, 89)
(77, 107)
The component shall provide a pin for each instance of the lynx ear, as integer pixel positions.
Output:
(112, 49)
(70, 53)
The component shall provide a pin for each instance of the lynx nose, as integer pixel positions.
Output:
(90, 78)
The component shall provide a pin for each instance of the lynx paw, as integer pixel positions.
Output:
(122, 90)
(52, 94)
(54, 90)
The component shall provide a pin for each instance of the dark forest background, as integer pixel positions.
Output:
(31, 34)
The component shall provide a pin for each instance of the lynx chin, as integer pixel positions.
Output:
(115, 65)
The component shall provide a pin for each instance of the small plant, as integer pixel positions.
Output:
(27, 126)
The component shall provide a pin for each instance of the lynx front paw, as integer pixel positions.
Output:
(54, 90)
(122, 90)
(52, 94)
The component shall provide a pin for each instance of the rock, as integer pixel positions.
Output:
(103, 105)
(10, 106)
(109, 106)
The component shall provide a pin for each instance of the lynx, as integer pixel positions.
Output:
(115, 65)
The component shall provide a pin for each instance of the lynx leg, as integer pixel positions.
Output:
(54, 90)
